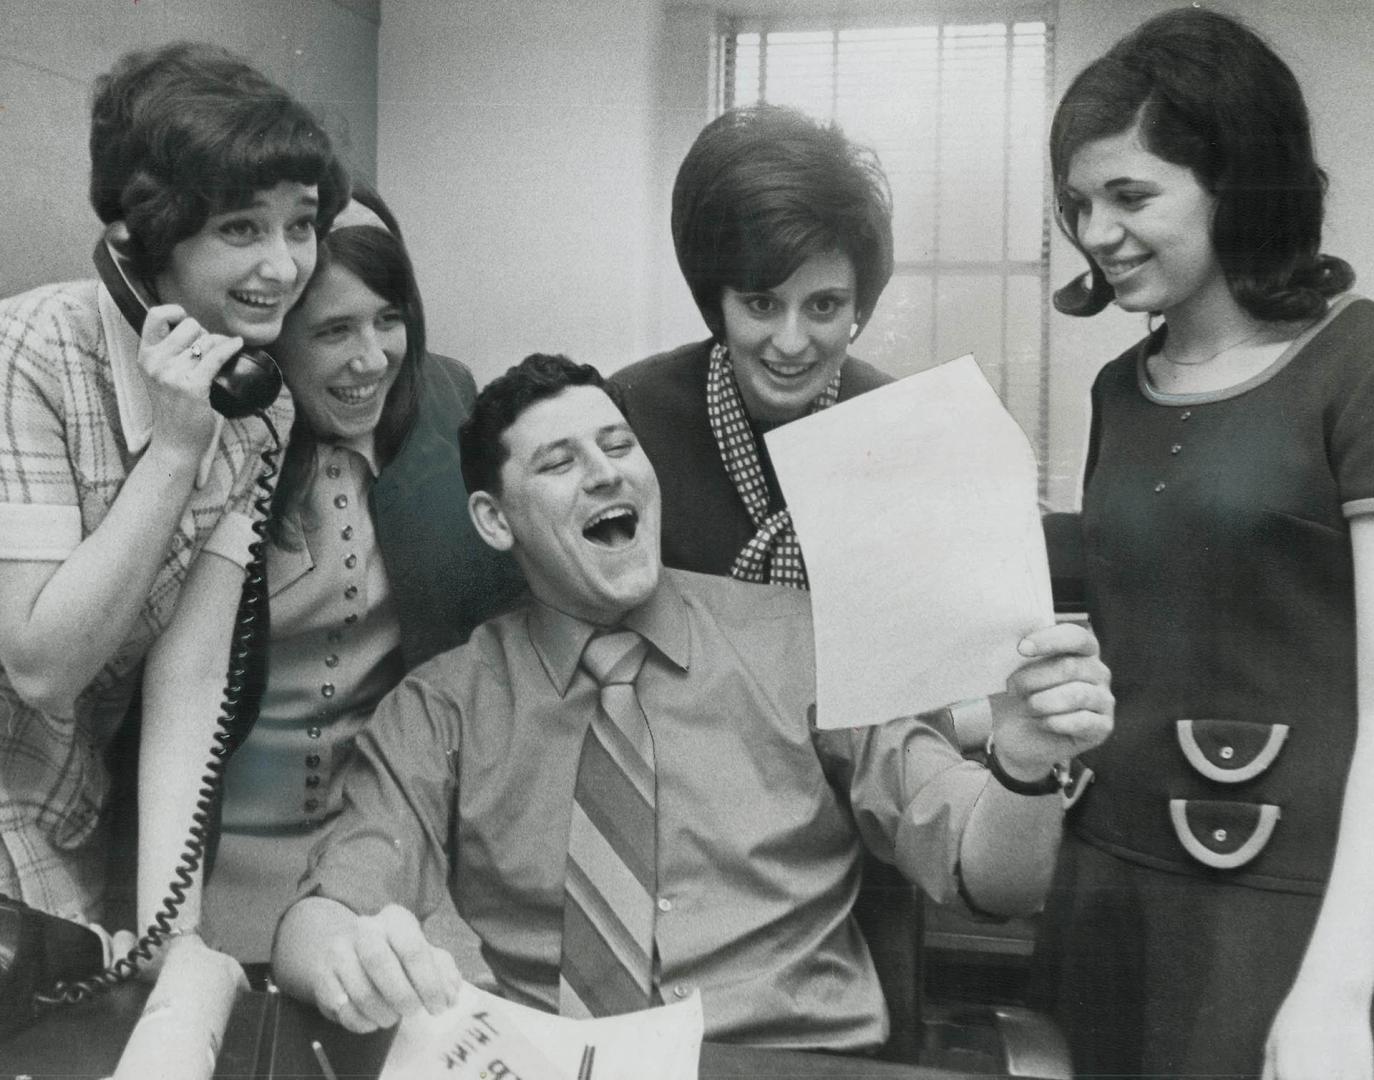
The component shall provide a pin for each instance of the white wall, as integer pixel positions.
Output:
(515, 145)
(324, 51)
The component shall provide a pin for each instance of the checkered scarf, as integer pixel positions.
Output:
(772, 554)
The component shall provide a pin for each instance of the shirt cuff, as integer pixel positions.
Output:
(231, 537)
(972, 723)
(1357, 507)
(38, 532)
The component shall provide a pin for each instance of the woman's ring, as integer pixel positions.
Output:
(196, 351)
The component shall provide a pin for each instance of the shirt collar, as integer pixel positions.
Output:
(364, 445)
(131, 385)
(559, 638)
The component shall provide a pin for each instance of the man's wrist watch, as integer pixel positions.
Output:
(1054, 781)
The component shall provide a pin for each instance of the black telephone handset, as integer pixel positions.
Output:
(45, 960)
(248, 382)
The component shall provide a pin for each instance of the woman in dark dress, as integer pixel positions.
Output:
(1213, 911)
(783, 230)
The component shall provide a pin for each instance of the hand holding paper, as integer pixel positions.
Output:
(374, 969)
(1057, 704)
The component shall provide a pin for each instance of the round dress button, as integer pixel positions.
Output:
(1227, 753)
(312, 761)
(351, 561)
(341, 501)
(664, 904)
(333, 472)
(327, 690)
(1175, 448)
(1219, 835)
(351, 618)
(1159, 487)
(350, 592)
(681, 991)
(347, 532)
(332, 660)
(313, 732)
(312, 781)
(1185, 414)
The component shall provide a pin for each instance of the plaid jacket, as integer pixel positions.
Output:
(63, 461)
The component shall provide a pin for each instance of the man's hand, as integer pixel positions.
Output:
(381, 968)
(1058, 704)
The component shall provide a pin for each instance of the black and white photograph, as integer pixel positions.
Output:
(686, 539)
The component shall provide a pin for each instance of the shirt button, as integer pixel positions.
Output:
(1175, 448)
(351, 561)
(311, 805)
(312, 761)
(327, 690)
(681, 991)
(1219, 835)
(1185, 414)
(341, 501)
(312, 781)
(1227, 753)
(664, 904)
(347, 533)
(333, 472)
(1159, 487)
(332, 660)
(313, 732)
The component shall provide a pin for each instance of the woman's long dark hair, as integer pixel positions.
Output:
(1208, 94)
(378, 259)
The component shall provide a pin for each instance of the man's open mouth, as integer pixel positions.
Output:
(613, 527)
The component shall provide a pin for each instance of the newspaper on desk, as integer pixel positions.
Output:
(484, 1037)
(916, 507)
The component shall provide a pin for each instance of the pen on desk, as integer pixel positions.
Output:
(325, 1067)
(584, 1071)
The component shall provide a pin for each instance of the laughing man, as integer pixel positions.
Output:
(732, 864)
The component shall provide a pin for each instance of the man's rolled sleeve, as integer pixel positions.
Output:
(912, 792)
(388, 843)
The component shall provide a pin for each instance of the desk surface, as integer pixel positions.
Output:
(83, 1042)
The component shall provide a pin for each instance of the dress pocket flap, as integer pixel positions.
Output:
(1222, 835)
(1230, 751)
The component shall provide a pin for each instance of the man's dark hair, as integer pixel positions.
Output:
(536, 378)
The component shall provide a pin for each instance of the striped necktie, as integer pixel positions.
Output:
(612, 872)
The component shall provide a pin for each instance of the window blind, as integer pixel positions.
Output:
(956, 111)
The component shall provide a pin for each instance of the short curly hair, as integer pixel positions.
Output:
(1208, 94)
(536, 378)
(764, 188)
(188, 130)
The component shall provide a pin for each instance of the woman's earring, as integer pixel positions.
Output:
(853, 332)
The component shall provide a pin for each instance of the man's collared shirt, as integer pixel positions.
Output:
(465, 780)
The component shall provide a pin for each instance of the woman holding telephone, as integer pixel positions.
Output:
(115, 472)
(373, 566)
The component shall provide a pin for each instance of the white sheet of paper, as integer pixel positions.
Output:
(916, 508)
(482, 1029)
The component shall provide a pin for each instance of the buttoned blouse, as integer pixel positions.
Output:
(74, 420)
(335, 650)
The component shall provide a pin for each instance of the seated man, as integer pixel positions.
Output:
(621, 837)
